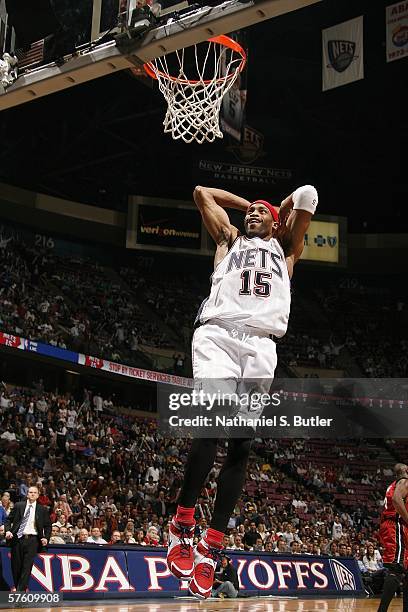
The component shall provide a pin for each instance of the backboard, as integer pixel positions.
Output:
(175, 31)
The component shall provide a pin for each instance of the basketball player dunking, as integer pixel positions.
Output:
(394, 537)
(248, 305)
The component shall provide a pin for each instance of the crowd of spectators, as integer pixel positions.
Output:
(373, 324)
(73, 302)
(339, 470)
(107, 316)
(303, 349)
(109, 477)
(27, 306)
(175, 299)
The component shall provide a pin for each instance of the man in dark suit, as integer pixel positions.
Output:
(28, 530)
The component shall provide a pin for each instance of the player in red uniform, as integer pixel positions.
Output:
(394, 536)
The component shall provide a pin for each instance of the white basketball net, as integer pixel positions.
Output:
(194, 106)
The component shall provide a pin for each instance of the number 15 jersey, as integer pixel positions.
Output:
(250, 286)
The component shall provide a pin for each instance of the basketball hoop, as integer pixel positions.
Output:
(194, 102)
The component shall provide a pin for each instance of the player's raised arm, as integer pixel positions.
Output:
(398, 499)
(211, 203)
(295, 214)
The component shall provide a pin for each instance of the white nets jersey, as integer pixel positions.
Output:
(250, 286)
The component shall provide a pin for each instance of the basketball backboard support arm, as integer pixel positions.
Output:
(105, 59)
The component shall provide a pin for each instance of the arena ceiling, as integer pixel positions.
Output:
(99, 142)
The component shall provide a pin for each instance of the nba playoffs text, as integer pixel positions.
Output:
(285, 408)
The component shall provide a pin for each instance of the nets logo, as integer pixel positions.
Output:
(250, 148)
(341, 54)
(400, 36)
(94, 362)
(343, 577)
(9, 340)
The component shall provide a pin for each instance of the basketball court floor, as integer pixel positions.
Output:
(264, 604)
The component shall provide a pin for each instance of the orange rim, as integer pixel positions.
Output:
(223, 40)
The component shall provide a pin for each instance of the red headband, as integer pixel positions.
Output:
(269, 207)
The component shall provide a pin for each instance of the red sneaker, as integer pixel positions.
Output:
(180, 553)
(205, 562)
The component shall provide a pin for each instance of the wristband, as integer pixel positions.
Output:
(305, 198)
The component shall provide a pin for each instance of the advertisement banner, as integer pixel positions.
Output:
(132, 372)
(92, 362)
(322, 242)
(12, 341)
(169, 227)
(343, 57)
(396, 18)
(50, 351)
(97, 572)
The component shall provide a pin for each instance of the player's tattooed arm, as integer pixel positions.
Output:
(399, 497)
(211, 203)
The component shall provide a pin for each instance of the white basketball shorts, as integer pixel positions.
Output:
(223, 351)
(237, 360)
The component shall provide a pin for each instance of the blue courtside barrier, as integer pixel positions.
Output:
(95, 572)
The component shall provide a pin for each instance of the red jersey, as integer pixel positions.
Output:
(389, 511)
(393, 531)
